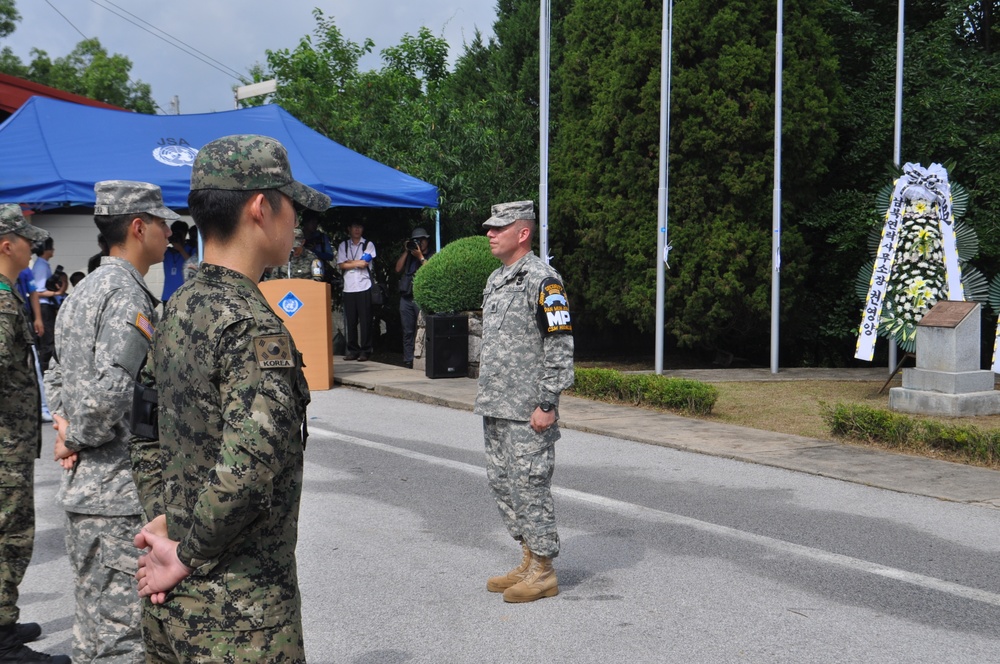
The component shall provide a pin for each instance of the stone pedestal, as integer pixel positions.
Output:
(947, 379)
(419, 358)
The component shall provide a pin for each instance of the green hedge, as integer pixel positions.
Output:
(686, 396)
(455, 277)
(873, 425)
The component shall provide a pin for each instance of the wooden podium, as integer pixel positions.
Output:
(304, 307)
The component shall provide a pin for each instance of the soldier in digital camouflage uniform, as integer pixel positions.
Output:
(222, 484)
(103, 333)
(20, 438)
(526, 362)
(303, 263)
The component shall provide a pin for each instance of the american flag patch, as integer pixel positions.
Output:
(144, 325)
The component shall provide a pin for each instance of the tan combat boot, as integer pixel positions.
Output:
(539, 581)
(498, 584)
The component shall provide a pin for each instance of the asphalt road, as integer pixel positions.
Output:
(668, 556)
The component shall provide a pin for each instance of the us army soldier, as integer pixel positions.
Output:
(103, 332)
(526, 362)
(222, 484)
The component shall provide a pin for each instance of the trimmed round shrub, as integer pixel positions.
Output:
(454, 278)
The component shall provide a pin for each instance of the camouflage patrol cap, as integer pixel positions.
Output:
(247, 162)
(12, 221)
(300, 236)
(505, 214)
(128, 197)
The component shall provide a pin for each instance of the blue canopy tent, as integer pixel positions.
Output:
(54, 151)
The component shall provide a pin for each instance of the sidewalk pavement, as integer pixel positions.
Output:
(887, 470)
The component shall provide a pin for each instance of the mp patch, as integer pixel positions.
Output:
(273, 351)
(553, 308)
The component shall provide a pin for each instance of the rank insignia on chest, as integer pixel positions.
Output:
(144, 325)
(273, 351)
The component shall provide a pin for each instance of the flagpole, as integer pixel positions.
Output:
(897, 144)
(776, 200)
(662, 239)
(543, 130)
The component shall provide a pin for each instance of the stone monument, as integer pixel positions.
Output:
(947, 379)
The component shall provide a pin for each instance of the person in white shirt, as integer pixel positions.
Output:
(354, 258)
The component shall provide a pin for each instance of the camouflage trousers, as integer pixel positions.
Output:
(172, 644)
(519, 465)
(107, 627)
(17, 534)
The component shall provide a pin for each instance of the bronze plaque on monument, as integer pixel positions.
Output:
(947, 313)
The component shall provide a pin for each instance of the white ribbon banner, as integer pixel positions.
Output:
(880, 275)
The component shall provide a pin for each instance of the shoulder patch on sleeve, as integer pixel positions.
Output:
(553, 308)
(274, 351)
(144, 325)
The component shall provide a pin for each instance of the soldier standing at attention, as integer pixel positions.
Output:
(526, 362)
(20, 438)
(103, 333)
(222, 484)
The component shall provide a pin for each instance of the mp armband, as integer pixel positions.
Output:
(553, 309)
(142, 421)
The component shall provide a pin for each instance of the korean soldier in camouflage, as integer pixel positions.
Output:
(223, 482)
(526, 362)
(303, 264)
(103, 333)
(20, 438)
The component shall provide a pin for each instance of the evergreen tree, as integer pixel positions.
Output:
(605, 168)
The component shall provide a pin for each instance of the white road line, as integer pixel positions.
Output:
(647, 513)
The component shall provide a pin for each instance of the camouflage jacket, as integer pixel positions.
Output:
(103, 334)
(301, 268)
(526, 358)
(20, 404)
(227, 468)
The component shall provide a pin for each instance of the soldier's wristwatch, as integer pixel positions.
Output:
(546, 406)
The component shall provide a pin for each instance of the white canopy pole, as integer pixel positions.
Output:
(666, 39)
(776, 201)
(543, 126)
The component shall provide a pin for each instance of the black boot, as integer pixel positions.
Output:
(13, 650)
(27, 632)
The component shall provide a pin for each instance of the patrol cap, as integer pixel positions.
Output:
(128, 197)
(12, 221)
(247, 162)
(300, 237)
(418, 233)
(505, 214)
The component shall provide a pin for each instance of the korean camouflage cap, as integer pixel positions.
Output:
(127, 197)
(12, 221)
(246, 162)
(504, 214)
(300, 236)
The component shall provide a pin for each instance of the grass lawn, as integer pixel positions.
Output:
(795, 407)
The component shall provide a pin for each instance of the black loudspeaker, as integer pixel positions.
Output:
(447, 346)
